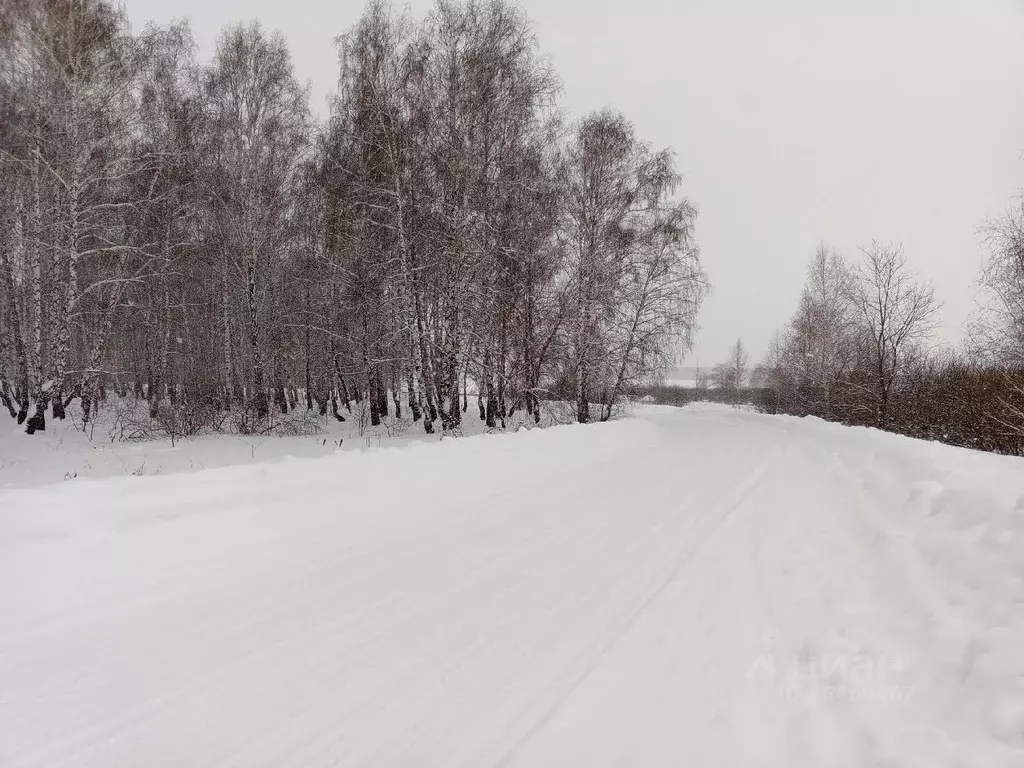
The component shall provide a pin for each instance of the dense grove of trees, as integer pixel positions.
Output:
(860, 348)
(190, 235)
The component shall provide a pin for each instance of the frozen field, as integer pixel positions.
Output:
(703, 587)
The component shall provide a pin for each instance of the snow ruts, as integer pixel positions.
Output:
(597, 596)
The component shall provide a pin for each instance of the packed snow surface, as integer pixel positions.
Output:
(703, 587)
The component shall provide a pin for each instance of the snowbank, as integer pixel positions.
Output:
(67, 450)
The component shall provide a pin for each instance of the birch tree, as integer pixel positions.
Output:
(660, 291)
(612, 184)
(78, 61)
(897, 311)
(731, 374)
(258, 125)
(997, 331)
(822, 339)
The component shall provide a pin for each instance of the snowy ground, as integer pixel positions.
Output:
(702, 587)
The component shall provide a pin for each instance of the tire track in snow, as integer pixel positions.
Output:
(270, 612)
(152, 708)
(711, 521)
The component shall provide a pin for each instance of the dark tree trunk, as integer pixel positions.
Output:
(38, 421)
(414, 403)
(382, 399)
(583, 402)
(374, 403)
(87, 403)
(259, 399)
(345, 396)
(334, 408)
(23, 407)
(6, 399)
(154, 399)
(491, 411)
(59, 411)
(309, 375)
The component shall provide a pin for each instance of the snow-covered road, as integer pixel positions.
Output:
(700, 587)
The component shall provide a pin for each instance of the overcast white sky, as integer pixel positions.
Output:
(793, 120)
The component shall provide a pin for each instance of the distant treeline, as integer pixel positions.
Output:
(949, 401)
(860, 348)
(760, 397)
